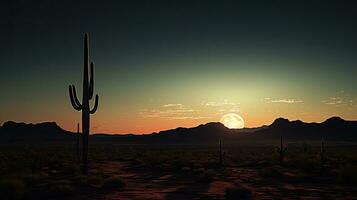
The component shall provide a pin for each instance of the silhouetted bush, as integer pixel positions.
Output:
(186, 169)
(34, 178)
(79, 179)
(114, 183)
(348, 175)
(12, 189)
(95, 180)
(238, 192)
(62, 188)
(273, 171)
(306, 163)
(204, 175)
(71, 168)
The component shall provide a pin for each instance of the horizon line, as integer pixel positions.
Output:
(108, 133)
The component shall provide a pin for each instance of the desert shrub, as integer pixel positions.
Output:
(185, 169)
(114, 183)
(61, 188)
(95, 179)
(71, 168)
(166, 166)
(12, 188)
(34, 178)
(178, 163)
(204, 176)
(79, 179)
(197, 166)
(306, 163)
(199, 170)
(238, 192)
(348, 175)
(273, 171)
(152, 160)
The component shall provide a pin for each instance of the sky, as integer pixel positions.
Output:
(168, 64)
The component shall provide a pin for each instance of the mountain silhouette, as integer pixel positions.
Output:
(202, 133)
(334, 128)
(13, 131)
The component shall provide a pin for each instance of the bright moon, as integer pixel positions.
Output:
(232, 120)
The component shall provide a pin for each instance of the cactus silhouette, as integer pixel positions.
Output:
(221, 153)
(281, 150)
(304, 148)
(322, 154)
(88, 89)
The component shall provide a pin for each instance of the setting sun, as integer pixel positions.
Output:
(232, 121)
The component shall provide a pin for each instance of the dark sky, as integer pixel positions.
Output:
(141, 26)
(171, 50)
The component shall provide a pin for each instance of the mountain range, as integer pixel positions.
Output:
(334, 128)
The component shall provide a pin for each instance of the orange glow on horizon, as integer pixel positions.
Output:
(149, 126)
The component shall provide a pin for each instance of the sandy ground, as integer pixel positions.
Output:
(144, 184)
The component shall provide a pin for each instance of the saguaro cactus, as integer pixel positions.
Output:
(281, 150)
(221, 153)
(322, 154)
(88, 90)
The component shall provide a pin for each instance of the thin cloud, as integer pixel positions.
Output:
(172, 105)
(178, 111)
(175, 111)
(288, 101)
(334, 101)
(169, 111)
(217, 104)
(190, 117)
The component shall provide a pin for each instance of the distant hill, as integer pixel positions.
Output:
(205, 132)
(13, 131)
(334, 128)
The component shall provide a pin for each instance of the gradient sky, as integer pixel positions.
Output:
(164, 64)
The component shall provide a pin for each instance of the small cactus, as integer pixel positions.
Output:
(322, 154)
(221, 153)
(281, 150)
(305, 147)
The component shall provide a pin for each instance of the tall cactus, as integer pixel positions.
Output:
(88, 90)
(281, 150)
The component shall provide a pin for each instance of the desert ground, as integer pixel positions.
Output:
(52, 171)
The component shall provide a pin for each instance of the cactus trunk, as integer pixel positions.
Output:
(78, 143)
(322, 154)
(281, 150)
(88, 88)
(85, 136)
(220, 153)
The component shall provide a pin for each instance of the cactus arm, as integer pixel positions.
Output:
(74, 101)
(95, 105)
(91, 82)
(75, 96)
